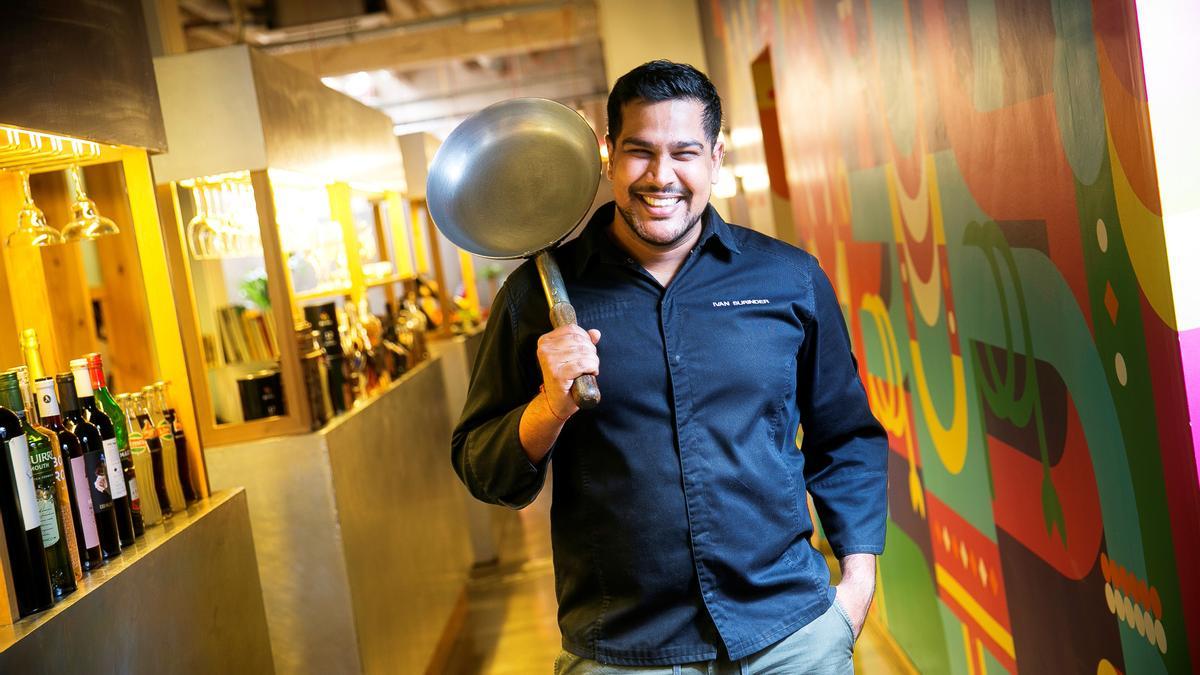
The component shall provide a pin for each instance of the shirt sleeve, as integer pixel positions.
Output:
(486, 446)
(845, 448)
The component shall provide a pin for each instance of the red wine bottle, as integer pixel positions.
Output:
(70, 446)
(112, 455)
(80, 495)
(97, 465)
(18, 506)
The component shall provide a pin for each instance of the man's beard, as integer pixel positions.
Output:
(641, 233)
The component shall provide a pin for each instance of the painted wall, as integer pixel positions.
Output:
(978, 178)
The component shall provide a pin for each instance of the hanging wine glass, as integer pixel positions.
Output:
(85, 223)
(32, 229)
(200, 232)
(227, 225)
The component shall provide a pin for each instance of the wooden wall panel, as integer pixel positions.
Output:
(66, 278)
(129, 359)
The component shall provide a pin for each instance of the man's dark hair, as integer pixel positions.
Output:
(662, 80)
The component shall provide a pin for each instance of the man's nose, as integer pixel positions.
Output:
(660, 172)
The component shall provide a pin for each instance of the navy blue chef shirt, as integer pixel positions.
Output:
(679, 521)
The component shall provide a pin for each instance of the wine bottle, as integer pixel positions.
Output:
(71, 447)
(58, 556)
(163, 402)
(105, 402)
(62, 492)
(97, 461)
(150, 433)
(87, 542)
(18, 506)
(87, 412)
(143, 457)
(170, 453)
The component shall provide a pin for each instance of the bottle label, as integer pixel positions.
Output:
(137, 443)
(46, 402)
(112, 464)
(134, 500)
(18, 453)
(60, 473)
(83, 499)
(97, 477)
(49, 517)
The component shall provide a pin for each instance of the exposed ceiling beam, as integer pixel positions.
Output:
(404, 47)
(404, 10)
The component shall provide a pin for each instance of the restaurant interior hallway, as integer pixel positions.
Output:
(511, 626)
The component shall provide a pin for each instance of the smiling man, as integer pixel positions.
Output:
(680, 525)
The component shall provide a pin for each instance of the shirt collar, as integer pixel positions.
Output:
(595, 242)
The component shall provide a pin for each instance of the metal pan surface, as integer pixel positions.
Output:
(514, 178)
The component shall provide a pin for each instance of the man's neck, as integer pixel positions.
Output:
(661, 262)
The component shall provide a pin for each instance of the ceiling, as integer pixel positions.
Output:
(426, 63)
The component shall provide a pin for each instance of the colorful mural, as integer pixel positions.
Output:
(978, 179)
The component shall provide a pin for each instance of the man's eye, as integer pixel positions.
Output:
(639, 153)
(686, 155)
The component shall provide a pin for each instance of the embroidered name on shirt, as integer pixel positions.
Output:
(739, 303)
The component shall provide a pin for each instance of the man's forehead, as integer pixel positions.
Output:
(670, 122)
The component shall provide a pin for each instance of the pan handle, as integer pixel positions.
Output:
(584, 389)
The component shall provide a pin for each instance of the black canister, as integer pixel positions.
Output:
(324, 321)
(261, 394)
(314, 365)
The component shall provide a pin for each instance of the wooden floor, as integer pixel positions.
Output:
(511, 626)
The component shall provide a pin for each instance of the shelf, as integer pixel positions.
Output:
(34, 151)
(125, 616)
(322, 293)
(390, 279)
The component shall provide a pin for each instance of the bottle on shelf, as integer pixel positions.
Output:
(62, 492)
(69, 447)
(58, 556)
(89, 479)
(22, 375)
(324, 321)
(152, 415)
(163, 402)
(149, 433)
(411, 324)
(88, 412)
(139, 451)
(395, 356)
(105, 401)
(18, 506)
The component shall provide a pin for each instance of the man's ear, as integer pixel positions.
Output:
(608, 170)
(718, 157)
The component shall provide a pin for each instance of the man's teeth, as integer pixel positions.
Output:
(665, 201)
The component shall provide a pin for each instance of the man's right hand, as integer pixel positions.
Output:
(564, 354)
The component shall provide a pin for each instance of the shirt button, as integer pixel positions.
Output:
(677, 358)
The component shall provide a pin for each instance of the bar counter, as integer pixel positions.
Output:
(361, 532)
(184, 598)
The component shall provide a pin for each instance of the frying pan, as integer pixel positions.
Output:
(512, 181)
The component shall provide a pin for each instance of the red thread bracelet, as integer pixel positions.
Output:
(542, 391)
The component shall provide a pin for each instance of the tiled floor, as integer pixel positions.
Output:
(511, 626)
